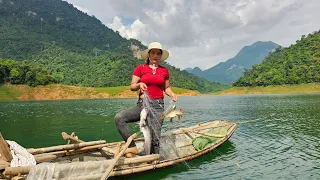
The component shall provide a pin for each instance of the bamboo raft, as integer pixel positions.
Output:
(96, 159)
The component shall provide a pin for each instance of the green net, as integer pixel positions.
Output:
(202, 142)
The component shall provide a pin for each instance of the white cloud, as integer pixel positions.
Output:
(132, 31)
(205, 32)
(81, 9)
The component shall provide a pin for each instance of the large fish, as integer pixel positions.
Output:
(144, 128)
(173, 113)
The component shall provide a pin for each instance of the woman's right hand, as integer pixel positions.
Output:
(143, 87)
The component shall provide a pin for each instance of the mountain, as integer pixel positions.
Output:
(75, 48)
(229, 71)
(299, 63)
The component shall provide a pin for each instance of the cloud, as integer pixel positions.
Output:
(131, 31)
(205, 32)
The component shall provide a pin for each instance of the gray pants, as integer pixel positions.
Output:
(153, 120)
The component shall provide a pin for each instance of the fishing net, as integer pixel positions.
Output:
(168, 142)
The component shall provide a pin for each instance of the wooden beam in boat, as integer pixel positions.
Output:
(4, 150)
(65, 147)
(86, 149)
(13, 171)
(198, 128)
(45, 158)
(208, 134)
(76, 151)
(110, 168)
(68, 137)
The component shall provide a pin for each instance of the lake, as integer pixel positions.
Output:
(278, 136)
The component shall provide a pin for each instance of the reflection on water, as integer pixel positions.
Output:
(277, 137)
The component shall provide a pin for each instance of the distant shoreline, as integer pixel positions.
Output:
(10, 92)
(274, 89)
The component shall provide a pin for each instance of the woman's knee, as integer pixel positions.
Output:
(119, 117)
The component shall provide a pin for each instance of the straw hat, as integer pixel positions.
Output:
(155, 45)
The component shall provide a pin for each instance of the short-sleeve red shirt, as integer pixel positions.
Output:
(154, 82)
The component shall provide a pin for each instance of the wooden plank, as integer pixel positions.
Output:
(65, 147)
(208, 134)
(4, 150)
(111, 166)
(17, 170)
(44, 158)
(68, 137)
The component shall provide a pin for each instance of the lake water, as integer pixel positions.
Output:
(278, 136)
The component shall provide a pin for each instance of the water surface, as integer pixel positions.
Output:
(277, 137)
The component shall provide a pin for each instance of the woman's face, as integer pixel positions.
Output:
(155, 56)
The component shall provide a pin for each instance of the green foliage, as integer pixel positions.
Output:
(23, 73)
(108, 70)
(76, 49)
(299, 63)
(9, 93)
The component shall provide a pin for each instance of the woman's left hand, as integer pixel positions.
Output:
(174, 97)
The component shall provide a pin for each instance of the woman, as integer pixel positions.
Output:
(154, 79)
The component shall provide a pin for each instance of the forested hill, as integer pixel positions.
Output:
(28, 26)
(299, 63)
(73, 47)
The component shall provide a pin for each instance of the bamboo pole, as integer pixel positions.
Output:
(68, 137)
(76, 151)
(208, 134)
(65, 136)
(107, 173)
(17, 170)
(73, 134)
(64, 147)
(185, 130)
(86, 149)
(45, 157)
(4, 150)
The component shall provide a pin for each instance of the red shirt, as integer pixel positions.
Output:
(154, 82)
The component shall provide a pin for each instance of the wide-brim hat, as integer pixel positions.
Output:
(155, 45)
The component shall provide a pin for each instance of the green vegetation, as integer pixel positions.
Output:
(23, 73)
(28, 26)
(179, 90)
(112, 91)
(74, 48)
(9, 93)
(274, 89)
(299, 63)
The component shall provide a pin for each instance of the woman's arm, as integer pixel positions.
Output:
(169, 92)
(136, 84)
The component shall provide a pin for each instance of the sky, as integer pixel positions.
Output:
(204, 33)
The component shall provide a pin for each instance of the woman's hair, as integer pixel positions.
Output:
(148, 60)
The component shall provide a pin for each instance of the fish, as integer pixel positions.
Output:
(145, 129)
(173, 113)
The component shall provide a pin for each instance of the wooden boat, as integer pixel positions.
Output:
(92, 160)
